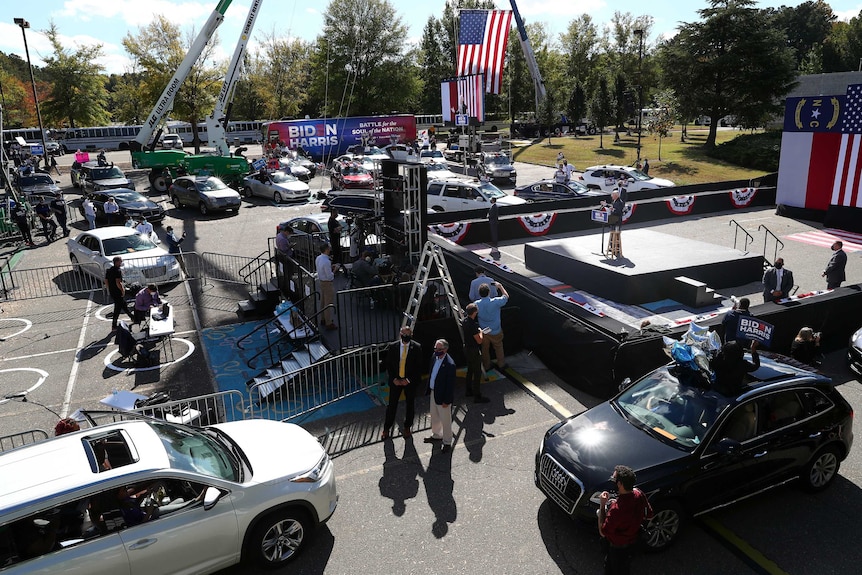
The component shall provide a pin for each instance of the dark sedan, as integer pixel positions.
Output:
(694, 449)
(551, 190)
(131, 203)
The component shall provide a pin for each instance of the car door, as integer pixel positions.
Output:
(90, 256)
(187, 539)
(789, 436)
(562, 192)
(720, 477)
(473, 198)
(103, 555)
(184, 192)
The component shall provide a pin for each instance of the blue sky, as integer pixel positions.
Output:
(107, 21)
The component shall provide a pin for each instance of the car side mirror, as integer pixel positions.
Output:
(211, 497)
(728, 446)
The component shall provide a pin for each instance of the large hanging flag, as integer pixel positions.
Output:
(821, 151)
(482, 39)
(465, 96)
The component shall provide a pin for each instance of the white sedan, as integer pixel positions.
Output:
(426, 156)
(607, 178)
(144, 262)
(441, 171)
(276, 186)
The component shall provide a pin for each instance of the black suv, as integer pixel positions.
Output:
(93, 177)
(694, 449)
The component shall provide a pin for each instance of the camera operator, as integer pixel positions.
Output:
(806, 346)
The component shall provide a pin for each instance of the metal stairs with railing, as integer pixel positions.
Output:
(283, 372)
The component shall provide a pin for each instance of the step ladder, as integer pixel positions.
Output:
(431, 254)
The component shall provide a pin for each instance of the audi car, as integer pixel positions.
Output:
(607, 178)
(695, 449)
(551, 190)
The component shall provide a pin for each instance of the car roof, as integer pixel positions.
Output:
(55, 467)
(611, 167)
(109, 232)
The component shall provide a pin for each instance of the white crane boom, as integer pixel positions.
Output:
(217, 121)
(165, 102)
(530, 57)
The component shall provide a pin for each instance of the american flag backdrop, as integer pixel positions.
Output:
(821, 151)
(463, 95)
(482, 39)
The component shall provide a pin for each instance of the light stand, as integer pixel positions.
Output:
(24, 25)
(640, 34)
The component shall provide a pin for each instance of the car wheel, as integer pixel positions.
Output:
(176, 201)
(276, 197)
(160, 183)
(278, 538)
(661, 531)
(821, 470)
(203, 208)
(246, 192)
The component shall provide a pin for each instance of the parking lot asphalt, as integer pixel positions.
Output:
(406, 507)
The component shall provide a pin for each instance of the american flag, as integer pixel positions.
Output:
(482, 40)
(845, 188)
(463, 96)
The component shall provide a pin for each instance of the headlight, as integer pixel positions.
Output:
(315, 473)
(855, 335)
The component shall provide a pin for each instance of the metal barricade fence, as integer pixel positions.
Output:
(318, 385)
(46, 282)
(201, 410)
(229, 268)
(16, 440)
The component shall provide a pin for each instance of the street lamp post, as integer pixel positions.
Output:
(24, 25)
(640, 34)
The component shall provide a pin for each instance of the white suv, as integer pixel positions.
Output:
(148, 496)
(456, 195)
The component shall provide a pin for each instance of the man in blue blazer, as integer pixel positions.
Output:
(441, 387)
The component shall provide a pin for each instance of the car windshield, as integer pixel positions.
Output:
(353, 171)
(281, 178)
(491, 191)
(210, 185)
(497, 161)
(198, 452)
(126, 197)
(637, 175)
(434, 166)
(127, 245)
(432, 154)
(674, 411)
(107, 173)
(35, 180)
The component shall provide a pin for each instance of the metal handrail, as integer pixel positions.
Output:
(263, 262)
(766, 234)
(309, 321)
(748, 237)
(264, 324)
(319, 384)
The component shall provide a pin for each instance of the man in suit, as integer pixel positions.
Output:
(777, 282)
(441, 387)
(404, 365)
(834, 272)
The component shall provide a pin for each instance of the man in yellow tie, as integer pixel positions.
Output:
(404, 365)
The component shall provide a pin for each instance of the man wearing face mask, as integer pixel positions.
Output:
(777, 282)
(404, 365)
(441, 388)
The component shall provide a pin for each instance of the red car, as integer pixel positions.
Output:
(351, 176)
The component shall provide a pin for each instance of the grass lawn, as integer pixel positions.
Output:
(682, 163)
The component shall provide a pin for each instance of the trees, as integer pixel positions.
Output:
(731, 62)
(77, 94)
(602, 106)
(157, 51)
(355, 57)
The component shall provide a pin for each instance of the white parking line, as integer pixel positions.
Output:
(73, 374)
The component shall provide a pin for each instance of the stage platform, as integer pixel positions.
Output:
(646, 272)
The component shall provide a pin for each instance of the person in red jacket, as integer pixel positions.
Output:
(620, 520)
